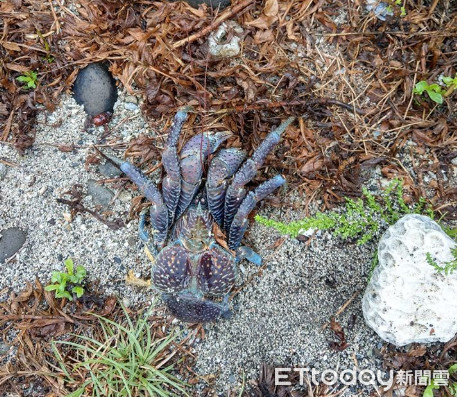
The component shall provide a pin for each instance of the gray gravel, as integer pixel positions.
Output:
(282, 316)
(28, 196)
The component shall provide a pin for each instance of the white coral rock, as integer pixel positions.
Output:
(407, 300)
(225, 41)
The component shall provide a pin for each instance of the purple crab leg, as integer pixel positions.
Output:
(191, 309)
(222, 167)
(240, 220)
(236, 191)
(171, 184)
(249, 254)
(144, 236)
(158, 211)
(193, 157)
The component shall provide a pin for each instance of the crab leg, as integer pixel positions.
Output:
(171, 184)
(240, 220)
(158, 211)
(187, 308)
(222, 167)
(236, 191)
(193, 156)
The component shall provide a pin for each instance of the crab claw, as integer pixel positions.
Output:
(192, 309)
(193, 157)
(240, 220)
(158, 212)
(236, 191)
(222, 167)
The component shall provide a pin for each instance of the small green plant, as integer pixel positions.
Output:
(128, 361)
(48, 57)
(389, 8)
(69, 281)
(435, 92)
(360, 219)
(452, 386)
(448, 268)
(29, 78)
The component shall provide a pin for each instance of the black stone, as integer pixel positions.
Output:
(109, 170)
(95, 88)
(101, 195)
(11, 241)
(117, 260)
(212, 3)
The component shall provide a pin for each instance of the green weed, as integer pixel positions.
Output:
(448, 268)
(436, 92)
(128, 361)
(29, 78)
(397, 3)
(452, 386)
(69, 281)
(360, 219)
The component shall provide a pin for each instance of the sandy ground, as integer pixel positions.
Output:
(280, 317)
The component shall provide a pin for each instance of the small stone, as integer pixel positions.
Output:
(4, 348)
(117, 260)
(3, 171)
(101, 195)
(406, 295)
(52, 221)
(42, 191)
(124, 196)
(109, 170)
(131, 99)
(95, 88)
(67, 216)
(11, 240)
(130, 106)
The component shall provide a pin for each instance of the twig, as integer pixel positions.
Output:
(343, 308)
(77, 206)
(221, 18)
(56, 20)
(9, 163)
(306, 102)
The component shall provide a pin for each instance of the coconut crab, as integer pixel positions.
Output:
(191, 269)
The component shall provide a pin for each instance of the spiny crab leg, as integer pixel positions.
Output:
(240, 220)
(193, 157)
(158, 212)
(236, 191)
(171, 184)
(222, 167)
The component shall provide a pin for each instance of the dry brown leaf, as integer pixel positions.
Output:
(268, 17)
(312, 165)
(262, 36)
(17, 68)
(10, 46)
